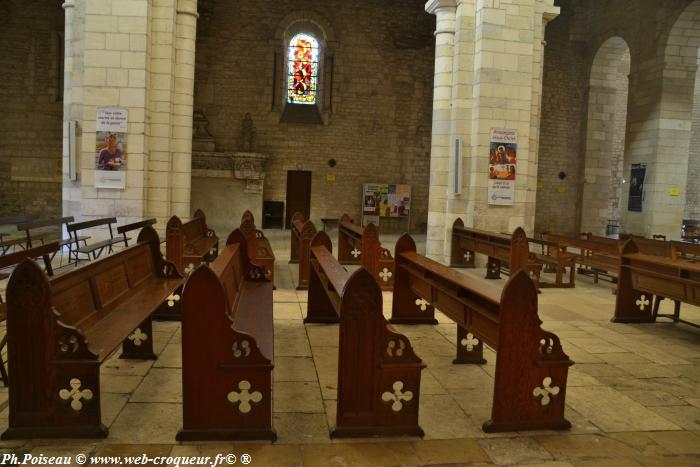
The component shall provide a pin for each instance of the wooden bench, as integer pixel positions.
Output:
(645, 280)
(124, 229)
(5, 245)
(95, 248)
(190, 243)
(355, 242)
(501, 249)
(45, 252)
(302, 232)
(61, 329)
(227, 349)
(378, 372)
(259, 249)
(685, 250)
(36, 231)
(596, 256)
(531, 366)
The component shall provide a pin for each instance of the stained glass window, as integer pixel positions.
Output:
(302, 79)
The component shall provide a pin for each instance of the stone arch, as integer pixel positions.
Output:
(605, 135)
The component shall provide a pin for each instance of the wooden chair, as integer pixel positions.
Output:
(124, 229)
(95, 249)
(37, 232)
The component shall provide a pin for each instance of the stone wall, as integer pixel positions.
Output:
(30, 107)
(658, 115)
(379, 96)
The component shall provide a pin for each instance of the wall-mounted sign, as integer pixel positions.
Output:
(111, 147)
(503, 159)
(385, 200)
(674, 191)
(637, 175)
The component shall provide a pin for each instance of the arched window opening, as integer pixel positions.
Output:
(302, 70)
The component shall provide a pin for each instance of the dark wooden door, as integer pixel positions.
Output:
(298, 194)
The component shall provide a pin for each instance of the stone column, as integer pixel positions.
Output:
(71, 190)
(506, 93)
(183, 101)
(445, 11)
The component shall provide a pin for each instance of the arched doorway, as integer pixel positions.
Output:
(605, 137)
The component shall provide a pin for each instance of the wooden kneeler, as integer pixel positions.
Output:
(378, 372)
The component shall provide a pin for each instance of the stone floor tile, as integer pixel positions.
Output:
(111, 405)
(601, 369)
(323, 335)
(301, 428)
(579, 378)
(137, 422)
(623, 359)
(666, 461)
(694, 402)
(506, 451)
(683, 442)
(610, 410)
(461, 376)
(284, 295)
(160, 385)
(563, 446)
(294, 369)
(449, 451)
(641, 441)
(652, 398)
(119, 366)
(612, 462)
(442, 418)
(359, 454)
(595, 345)
(122, 384)
(287, 310)
(298, 397)
(649, 370)
(292, 348)
(686, 417)
(289, 329)
(170, 357)
(430, 385)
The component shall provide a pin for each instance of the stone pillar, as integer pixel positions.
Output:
(445, 11)
(181, 174)
(507, 93)
(71, 190)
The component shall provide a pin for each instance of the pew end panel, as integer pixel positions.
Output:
(376, 259)
(349, 241)
(531, 366)
(295, 226)
(631, 305)
(304, 238)
(259, 249)
(460, 258)
(169, 310)
(226, 378)
(381, 399)
(407, 306)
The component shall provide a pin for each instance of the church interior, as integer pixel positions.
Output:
(350, 232)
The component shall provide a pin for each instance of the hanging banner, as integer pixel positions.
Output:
(385, 200)
(111, 147)
(637, 175)
(503, 160)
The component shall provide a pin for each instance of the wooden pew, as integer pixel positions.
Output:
(378, 372)
(531, 366)
(685, 250)
(355, 242)
(124, 229)
(645, 280)
(259, 249)
(5, 245)
(227, 349)
(95, 248)
(302, 232)
(499, 248)
(596, 255)
(46, 252)
(61, 329)
(190, 243)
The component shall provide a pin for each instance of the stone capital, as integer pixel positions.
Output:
(432, 6)
(68, 4)
(187, 7)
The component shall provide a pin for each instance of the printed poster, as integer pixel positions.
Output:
(637, 175)
(503, 161)
(111, 147)
(385, 200)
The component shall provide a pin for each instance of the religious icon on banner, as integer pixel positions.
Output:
(503, 160)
